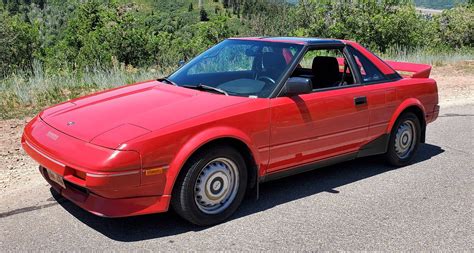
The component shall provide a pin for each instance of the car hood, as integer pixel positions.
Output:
(113, 117)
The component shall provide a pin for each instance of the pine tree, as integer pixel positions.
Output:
(203, 14)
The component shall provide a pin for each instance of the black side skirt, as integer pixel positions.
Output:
(376, 147)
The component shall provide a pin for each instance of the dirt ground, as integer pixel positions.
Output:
(18, 172)
(455, 83)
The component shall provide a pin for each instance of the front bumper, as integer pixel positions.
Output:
(103, 181)
(105, 207)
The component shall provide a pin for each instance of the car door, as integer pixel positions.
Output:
(381, 94)
(323, 124)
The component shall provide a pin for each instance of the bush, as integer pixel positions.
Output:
(18, 44)
(456, 26)
(378, 25)
(203, 15)
(58, 49)
(76, 36)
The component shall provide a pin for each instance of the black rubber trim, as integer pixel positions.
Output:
(375, 147)
(309, 167)
(337, 87)
(394, 76)
(76, 187)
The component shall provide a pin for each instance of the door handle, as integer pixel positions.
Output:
(360, 100)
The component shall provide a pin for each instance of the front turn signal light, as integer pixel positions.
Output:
(156, 171)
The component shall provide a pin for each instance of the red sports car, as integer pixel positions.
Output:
(245, 111)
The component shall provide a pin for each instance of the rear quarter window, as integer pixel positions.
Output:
(368, 71)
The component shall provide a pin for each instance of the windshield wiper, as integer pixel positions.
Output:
(199, 86)
(168, 81)
(206, 87)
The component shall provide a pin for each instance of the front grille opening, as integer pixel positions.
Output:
(80, 174)
(76, 187)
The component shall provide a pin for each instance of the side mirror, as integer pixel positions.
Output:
(297, 85)
(181, 63)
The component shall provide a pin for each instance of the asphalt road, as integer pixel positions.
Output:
(358, 205)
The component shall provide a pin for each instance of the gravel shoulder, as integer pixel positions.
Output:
(455, 83)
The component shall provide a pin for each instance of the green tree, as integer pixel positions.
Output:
(203, 15)
(18, 44)
(456, 26)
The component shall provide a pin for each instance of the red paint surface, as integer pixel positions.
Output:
(117, 134)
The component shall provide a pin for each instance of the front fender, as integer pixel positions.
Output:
(198, 140)
(402, 107)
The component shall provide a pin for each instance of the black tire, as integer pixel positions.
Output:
(394, 156)
(184, 193)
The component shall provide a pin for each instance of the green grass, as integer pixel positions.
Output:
(23, 95)
(435, 57)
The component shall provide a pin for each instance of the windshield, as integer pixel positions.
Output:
(239, 67)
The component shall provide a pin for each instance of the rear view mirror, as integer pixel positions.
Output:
(297, 85)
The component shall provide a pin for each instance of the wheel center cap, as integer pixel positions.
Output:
(216, 185)
(405, 139)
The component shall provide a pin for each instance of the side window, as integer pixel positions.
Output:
(368, 71)
(327, 68)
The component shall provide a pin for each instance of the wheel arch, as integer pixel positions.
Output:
(216, 136)
(410, 105)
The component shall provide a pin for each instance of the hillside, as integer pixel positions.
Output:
(438, 4)
(54, 50)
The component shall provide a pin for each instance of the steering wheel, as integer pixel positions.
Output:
(266, 78)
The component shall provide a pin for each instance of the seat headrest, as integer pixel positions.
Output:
(325, 65)
(326, 72)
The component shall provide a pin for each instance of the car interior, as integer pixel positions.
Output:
(328, 69)
(254, 71)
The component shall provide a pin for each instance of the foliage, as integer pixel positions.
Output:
(22, 94)
(203, 14)
(59, 42)
(69, 35)
(18, 43)
(456, 26)
(376, 25)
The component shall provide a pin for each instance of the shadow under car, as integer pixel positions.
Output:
(272, 194)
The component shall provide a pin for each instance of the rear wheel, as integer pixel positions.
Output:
(404, 140)
(211, 186)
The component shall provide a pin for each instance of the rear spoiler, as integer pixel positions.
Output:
(413, 70)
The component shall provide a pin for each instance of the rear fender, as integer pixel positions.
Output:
(402, 107)
(198, 141)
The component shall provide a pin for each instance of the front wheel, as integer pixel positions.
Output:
(211, 186)
(404, 140)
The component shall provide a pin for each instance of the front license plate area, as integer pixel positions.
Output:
(53, 176)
